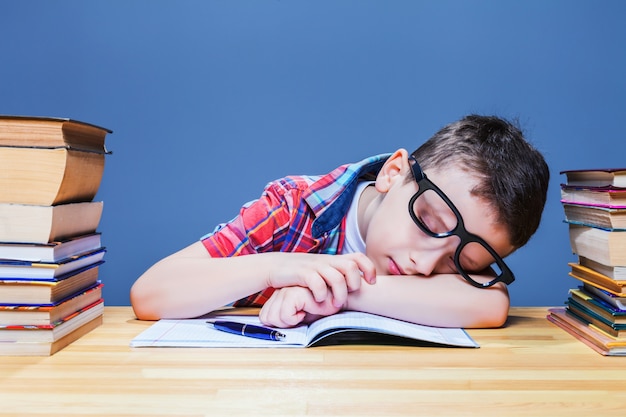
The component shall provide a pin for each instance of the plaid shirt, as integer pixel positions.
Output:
(294, 214)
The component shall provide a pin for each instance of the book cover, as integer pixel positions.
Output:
(24, 223)
(11, 348)
(51, 132)
(616, 272)
(343, 327)
(596, 177)
(46, 314)
(16, 269)
(596, 279)
(51, 332)
(607, 218)
(52, 251)
(612, 299)
(49, 290)
(596, 340)
(594, 320)
(598, 196)
(611, 314)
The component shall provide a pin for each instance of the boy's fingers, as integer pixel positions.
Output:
(338, 285)
(367, 268)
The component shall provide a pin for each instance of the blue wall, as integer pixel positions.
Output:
(209, 100)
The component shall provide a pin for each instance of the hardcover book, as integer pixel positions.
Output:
(597, 177)
(22, 223)
(49, 290)
(42, 176)
(51, 132)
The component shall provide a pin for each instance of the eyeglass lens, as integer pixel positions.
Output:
(438, 219)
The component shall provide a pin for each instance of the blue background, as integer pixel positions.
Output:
(209, 100)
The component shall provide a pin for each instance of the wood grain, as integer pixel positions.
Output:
(528, 368)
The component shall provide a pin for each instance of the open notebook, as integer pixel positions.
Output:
(347, 327)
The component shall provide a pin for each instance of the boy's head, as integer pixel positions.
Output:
(511, 175)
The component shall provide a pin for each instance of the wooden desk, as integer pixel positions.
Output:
(529, 368)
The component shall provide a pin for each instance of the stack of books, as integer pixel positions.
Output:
(594, 202)
(50, 250)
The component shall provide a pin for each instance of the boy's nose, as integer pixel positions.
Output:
(425, 263)
(437, 257)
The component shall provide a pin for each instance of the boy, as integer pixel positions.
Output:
(377, 236)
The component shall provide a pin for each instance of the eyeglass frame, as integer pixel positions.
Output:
(424, 184)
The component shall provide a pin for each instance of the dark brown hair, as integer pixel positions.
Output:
(512, 175)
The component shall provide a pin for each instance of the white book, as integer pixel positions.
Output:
(341, 328)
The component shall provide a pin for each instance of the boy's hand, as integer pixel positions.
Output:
(319, 273)
(290, 306)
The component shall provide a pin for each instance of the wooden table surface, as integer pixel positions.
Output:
(528, 368)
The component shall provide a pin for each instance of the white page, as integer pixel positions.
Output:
(197, 333)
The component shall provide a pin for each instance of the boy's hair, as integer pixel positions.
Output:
(513, 176)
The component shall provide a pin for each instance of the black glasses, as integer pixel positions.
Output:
(434, 213)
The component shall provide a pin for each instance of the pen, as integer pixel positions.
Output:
(248, 330)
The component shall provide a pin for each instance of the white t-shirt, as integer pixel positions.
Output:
(354, 241)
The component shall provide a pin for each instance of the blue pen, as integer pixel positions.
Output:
(248, 330)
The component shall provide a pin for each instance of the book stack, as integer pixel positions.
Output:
(594, 203)
(50, 250)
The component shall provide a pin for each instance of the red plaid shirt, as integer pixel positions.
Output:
(294, 214)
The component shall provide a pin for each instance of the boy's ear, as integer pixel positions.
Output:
(394, 169)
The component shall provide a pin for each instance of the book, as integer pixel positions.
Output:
(612, 299)
(48, 348)
(596, 340)
(52, 251)
(21, 223)
(43, 176)
(609, 313)
(10, 268)
(597, 177)
(49, 333)
(51, 132)
(595, 196)
(603, 246)
(47, 291)
(614, 272)
(42, 314)
(603, 217)
(596, 279)
(594, 321)
(343, 327)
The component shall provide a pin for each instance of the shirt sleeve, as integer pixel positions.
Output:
(261, 226)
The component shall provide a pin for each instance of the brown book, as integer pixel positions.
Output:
(45, 224)
(614, 272)
(51, 132)
(603, 217)
(47, 291)
(48, 340)
(43, 176)
(597, 177)
(603, 246)
(599, 196)
(39, 315)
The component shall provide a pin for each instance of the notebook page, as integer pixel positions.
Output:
(197, 333)
(366, 321)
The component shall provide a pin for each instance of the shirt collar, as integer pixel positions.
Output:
(330, 196)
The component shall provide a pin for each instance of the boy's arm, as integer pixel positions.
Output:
(190, 283)
(443, 300)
